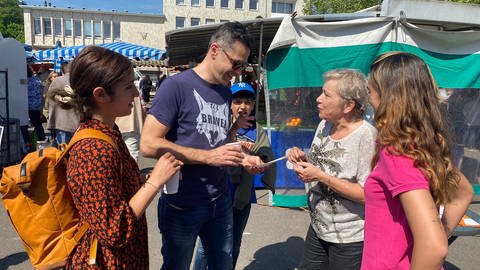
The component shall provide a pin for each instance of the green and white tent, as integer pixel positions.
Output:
(302, 50)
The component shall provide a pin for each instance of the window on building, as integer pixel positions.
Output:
(179, 22)
(286, 8)
(106, 30)
(97, 29)
(87, 28)
(210, 3)
(57, 27)
(209, 21)
(195, 3)
(47, 26)
(116, 30)
(224, 3)
(253, 4)
(68, 28)
(37, 26)
(77, 28)
(180, 2)
(239, 4)
(194, 21)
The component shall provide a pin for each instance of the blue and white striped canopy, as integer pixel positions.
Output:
(129, 50)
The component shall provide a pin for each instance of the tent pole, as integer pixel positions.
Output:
(262, 84)
(259, 66)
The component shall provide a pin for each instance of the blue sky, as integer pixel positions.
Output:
(133, 6)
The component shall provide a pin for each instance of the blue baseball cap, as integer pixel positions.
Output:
(241, 86)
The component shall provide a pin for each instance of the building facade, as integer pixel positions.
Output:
(45, 26)
(187, 13)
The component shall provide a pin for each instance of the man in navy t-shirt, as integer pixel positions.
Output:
(190, 118)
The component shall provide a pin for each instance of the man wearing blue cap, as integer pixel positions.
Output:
(254, 142)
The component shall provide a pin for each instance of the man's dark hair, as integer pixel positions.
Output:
(230, 32)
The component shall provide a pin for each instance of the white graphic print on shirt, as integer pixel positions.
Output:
(212, 121)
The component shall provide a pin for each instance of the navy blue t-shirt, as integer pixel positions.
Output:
(198, 115)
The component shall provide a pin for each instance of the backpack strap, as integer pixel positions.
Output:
(85, 134)
(93, 244)
(78, 136)
(93, 251)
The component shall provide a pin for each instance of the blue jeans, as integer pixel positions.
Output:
(62, 136)
(181, 226)
(240, 218)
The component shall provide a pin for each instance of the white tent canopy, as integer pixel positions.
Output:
(306, 49)
(303, 50)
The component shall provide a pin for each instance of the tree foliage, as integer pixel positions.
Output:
(467, 1)
(312, 7)
(11, 20)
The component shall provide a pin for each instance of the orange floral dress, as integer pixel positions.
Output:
(102, 180)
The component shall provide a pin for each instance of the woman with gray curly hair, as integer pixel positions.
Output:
(336, 167)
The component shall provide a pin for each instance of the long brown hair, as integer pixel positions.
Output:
(96, 67)
(409, 120)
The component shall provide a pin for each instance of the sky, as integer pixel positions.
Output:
(132, 6)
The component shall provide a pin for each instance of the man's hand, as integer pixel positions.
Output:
(250, 163)
(225, 155)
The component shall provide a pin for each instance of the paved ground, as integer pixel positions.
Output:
(273, 240)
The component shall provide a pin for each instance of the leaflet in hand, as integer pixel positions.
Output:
(271, 162)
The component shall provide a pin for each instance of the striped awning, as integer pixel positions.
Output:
(127, 49)
(57, 66)
(149, 63)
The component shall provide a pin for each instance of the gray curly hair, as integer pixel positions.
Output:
(351, 85)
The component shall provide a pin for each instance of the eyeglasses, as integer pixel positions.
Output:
(236, 64)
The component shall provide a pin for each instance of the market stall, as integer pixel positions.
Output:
(303, 50)
(66, 54)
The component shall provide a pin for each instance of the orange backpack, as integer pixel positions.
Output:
(40, 206)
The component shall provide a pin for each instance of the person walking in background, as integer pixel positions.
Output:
(131, 127)
(146, 86)
(413, 171)
(190, 117)
(104, 180)
(48, 81)
(46, 85)
(35, 103)
(63, 119)
(255, 142)
(337, 165)
(160, 78)
(50, 78)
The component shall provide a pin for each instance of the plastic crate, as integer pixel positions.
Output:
(291, 201)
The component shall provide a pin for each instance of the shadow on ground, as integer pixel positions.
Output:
(279, 256)
(12, 260)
